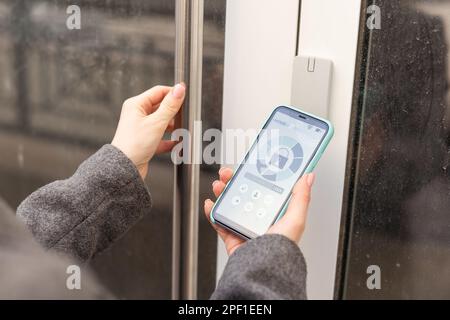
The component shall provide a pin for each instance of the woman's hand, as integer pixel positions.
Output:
(291, 225)
(232, 241)
(144, 120)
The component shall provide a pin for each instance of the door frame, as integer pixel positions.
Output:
(258, 58)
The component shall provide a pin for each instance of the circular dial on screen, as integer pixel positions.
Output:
(280, 161)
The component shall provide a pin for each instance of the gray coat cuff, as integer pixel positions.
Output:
(84, 214)
(268, 267)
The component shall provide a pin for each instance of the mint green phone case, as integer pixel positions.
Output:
(308, 169)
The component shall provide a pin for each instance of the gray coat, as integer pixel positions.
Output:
(75, 219)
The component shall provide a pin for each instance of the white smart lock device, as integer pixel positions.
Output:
(311, 84)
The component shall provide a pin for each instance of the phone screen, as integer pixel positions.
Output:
(262, 184)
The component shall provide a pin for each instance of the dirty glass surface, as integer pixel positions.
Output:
(212, 90)
(61, 92)
(399, 191)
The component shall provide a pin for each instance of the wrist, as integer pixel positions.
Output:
(141, 168)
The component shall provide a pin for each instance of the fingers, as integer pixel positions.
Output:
(171, 126)
(218, 187)
(231, 241)
(208, 207)
(298, 206)
(150, 99)
(170, 105)
(165, 146)
(225, 174)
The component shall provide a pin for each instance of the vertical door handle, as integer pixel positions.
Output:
(188, 68)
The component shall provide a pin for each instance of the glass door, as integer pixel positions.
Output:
(62, 88)
(396, 222)
(378, 224)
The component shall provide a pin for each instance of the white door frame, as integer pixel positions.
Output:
(260, 44)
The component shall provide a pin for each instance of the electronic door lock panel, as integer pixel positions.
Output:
(311, 84)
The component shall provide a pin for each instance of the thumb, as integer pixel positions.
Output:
(171, 104)
(295, 217)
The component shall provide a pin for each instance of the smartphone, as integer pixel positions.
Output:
(290, 144)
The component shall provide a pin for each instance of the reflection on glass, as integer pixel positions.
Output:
(61, 92)
(401, 193)
(212, 89)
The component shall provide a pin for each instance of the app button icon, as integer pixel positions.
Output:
(260, 213)
(256, 194)
(280, 158)
(243, 188)
(236, 200)
(248, 206)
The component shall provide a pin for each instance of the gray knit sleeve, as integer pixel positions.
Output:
(270, 267)
(84, 214)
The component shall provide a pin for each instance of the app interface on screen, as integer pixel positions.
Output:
(270, 171)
